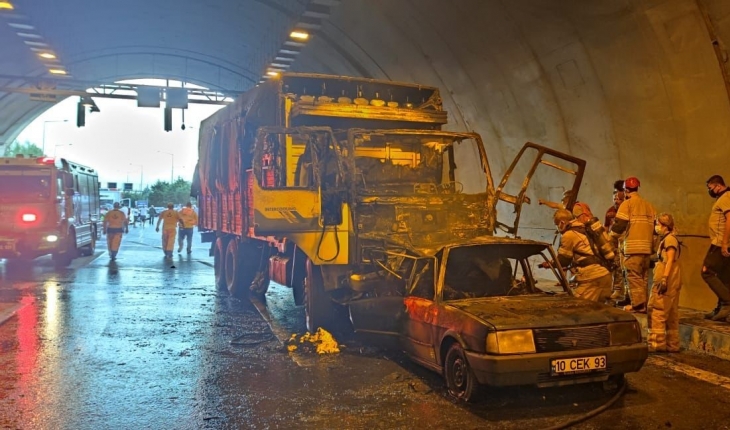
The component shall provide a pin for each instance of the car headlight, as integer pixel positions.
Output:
(624, 333)
(510, 342)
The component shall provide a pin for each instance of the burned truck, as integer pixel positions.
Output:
(328, 185)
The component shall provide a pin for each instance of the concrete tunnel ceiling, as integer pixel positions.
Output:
(633, 86)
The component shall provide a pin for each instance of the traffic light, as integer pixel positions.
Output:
(80, 115)
(168, 119)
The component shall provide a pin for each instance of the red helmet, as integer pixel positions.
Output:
(632, 183)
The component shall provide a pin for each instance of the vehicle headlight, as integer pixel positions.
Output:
(624, 333)
(51, 238)
(510, 342)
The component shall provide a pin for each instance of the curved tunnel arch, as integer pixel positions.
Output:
(632, 86)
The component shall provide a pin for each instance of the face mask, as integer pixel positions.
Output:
(712, 193)
(658, 230)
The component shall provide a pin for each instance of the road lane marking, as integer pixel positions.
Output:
(702, 375)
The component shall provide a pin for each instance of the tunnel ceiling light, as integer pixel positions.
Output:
(6, 5)
(19, 26)
(299, 35)
(34, 43)
(29, 35)
(57, 71)
(47, 55)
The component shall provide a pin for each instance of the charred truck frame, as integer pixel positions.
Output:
(306, 182)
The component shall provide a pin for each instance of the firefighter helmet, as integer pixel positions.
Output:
(632, 183)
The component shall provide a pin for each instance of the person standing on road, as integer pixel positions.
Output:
(152, 213)
(115, 223)
(169, 219)
(716, 267)
(619, 275)
(591, 281)
(664, 301)
(188, 220)
(635, 222)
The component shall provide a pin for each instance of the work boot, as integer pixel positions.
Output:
(190, 251)
(617, 295)
(712, 313)
(179, 249)
(722, 314)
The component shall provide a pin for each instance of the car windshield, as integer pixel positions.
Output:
(497, 270)
(438, 163)
(25, 185)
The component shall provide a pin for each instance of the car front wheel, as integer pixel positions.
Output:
(460, 380)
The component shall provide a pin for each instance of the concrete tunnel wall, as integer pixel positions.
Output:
(634, 87)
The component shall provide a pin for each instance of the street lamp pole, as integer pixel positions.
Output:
(43, 148)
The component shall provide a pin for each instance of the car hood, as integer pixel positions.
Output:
(540, 311)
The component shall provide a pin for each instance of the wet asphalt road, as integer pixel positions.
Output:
(138, 344)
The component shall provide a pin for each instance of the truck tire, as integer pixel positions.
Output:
(241, 265)
(317, 303)
(219, 258)
(91, 247)
(65, 257)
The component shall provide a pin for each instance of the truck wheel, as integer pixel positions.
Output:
(317, 303)
(460, 380)
(90, 248)
(241, 263)
(65, 257)
(219, 255)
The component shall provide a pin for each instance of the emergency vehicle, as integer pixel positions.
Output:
(47, 206)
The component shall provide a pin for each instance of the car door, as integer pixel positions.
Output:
(402, 322)
(421, 312)
(557, 171)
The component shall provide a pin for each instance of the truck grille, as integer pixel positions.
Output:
(571, 339)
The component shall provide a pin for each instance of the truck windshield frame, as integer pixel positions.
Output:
(425, 162)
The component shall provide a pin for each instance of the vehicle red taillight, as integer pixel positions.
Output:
(29, 217)
(45, 160)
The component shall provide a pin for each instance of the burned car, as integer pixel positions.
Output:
(482, 312)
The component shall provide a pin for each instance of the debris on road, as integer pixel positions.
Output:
(322, 340)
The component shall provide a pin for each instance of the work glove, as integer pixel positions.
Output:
(126, 230)
(103, 231)
(157, 229)
(661, 285)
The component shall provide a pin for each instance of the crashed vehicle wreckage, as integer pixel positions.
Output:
(367, 206)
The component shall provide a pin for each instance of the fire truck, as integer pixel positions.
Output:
(47, 206)
(323, 183)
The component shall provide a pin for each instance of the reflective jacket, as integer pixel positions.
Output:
(635, 219)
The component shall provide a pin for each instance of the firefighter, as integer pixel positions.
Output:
(591, 281)
(188, 220)
(115, 223)
(664, 300)
(619, 277)
(716, 266)
(169, 219)
(635, 224)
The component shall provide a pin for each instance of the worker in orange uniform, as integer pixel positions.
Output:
(115, 223)
(169, 219)
(188, 220)
(664, 300)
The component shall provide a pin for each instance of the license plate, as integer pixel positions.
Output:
(7, 245)
(564, 366)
